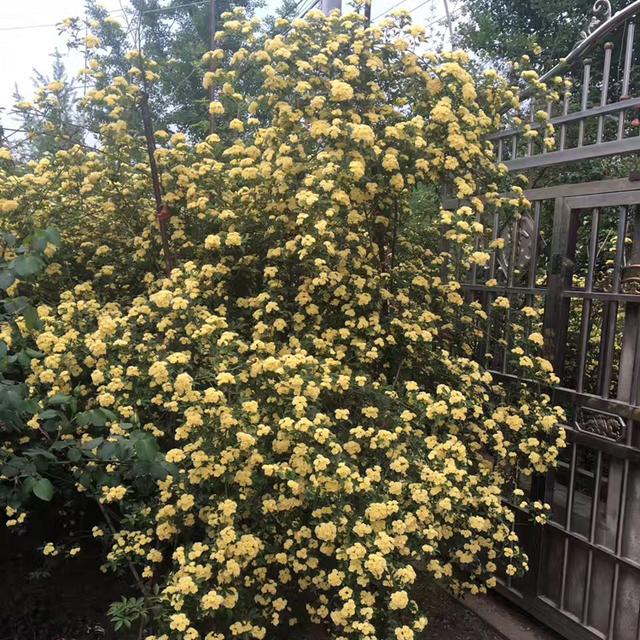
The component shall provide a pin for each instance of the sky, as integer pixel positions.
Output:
(27, 37)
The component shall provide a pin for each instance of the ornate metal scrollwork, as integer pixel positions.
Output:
(601, 12)
(604, 425)
(524, 246)
(630, 282)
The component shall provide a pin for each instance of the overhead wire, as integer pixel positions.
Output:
(452, 14)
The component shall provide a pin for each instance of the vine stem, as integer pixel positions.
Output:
(132, 568)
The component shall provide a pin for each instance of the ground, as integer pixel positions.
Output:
(67, 600)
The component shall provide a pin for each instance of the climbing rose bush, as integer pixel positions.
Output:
(290, 427)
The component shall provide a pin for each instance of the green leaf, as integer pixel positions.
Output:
(94, 417)
(40, 453)
(26, 266)
(15, 305)
(48, 413)
(43, 489)
(39, 241)
(31, 318)
(9, 239)
(59, 398)
(6, 279)
(53, 235)
(145, 447)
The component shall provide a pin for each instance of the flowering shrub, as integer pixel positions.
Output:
(291, 425)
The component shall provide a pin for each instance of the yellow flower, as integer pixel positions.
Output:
(341, 91)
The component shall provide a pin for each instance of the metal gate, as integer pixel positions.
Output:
(577, 257)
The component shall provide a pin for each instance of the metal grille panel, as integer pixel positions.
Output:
(574, 257)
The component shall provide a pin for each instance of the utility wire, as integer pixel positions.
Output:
(389, 10)
(452, 14)
(309, 7)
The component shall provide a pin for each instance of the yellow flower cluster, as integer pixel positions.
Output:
(306, 374)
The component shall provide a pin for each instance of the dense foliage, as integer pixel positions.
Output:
(501, 30)
(292, 424)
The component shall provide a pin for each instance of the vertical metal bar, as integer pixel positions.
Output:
(592, 533)
(618, 550)
(549, 106)
(514, 253)
(492, 275)
(476, 245)
(500, 149)
(510, 274)
(585, 328)
(607, 342)
(628, 56)
(494, 237)
(514, 146)
(565, 111)
(567, 526)
(533, 265)
(532, 118)
(606, 71)
(586, 78)
(596, 499)
(556, 311)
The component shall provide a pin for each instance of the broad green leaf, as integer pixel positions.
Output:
(31, 318)
(26, 266)
(53, 235)
(145, 447)
(43, 489)
(59, 398)
(6, 279)
(9, 239)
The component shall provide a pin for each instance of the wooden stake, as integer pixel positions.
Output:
(162, 211)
